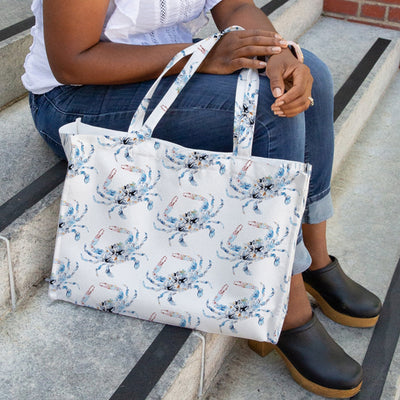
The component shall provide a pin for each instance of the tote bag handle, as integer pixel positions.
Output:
(245, 102)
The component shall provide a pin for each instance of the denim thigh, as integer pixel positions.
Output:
(201, 117)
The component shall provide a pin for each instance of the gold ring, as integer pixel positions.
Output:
(311, 101)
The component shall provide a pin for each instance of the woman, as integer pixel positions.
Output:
(95, 59)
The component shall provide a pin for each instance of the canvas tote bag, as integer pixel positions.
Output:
(180, 236)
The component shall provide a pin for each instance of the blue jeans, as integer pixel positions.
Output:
(210, 99)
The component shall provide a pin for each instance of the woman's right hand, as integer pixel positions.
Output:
(236, 50)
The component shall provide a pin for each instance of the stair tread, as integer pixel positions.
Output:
(24, 156)
(46, 354)
(14, 11)
(341, 53)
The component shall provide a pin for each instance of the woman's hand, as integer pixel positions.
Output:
(287, 73)
(236, 50)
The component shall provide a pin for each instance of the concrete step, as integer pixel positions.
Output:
(342, 53)
(14, 45)
(366, 198)
(32, 237)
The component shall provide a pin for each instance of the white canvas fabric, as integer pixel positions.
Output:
(175, 235)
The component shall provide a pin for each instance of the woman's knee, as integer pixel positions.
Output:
(277, 137)
(323, 82)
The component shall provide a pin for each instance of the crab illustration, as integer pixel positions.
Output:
(60, 279)
(68, 222)
(190, 221)
(78, 166)
(115, 253)
(183, 78)
(185, 321)
(265, 187)
(244, 120)
(178, 281)
(120, 303)
(191, 163)
(254, 250)
(240, 309)
(117, 305)
(121, 144)
(129, 194)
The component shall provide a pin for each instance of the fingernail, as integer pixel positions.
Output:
(262, 64)
(278, 113)
(283, 42)
(276, 49)
(278, 36)
(277, 92)
(280, 103)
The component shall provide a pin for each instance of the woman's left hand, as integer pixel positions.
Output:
(287, 73)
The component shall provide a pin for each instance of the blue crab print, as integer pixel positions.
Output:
(129, 194)
(120, 302)
(115, 305)
(60, 279)
(240, 309)
(183, 78)
(178, 281)
(69, 218)
(121, 144)
(185, 321)
(254, 250)
(245, 119)
(190, 221)
(265, 187)
(78, 165)
(115, 253)
(191, 163)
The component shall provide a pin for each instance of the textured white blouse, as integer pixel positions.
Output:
(140, 22)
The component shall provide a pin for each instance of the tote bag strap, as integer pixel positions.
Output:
(245, 112)
(245, 101)
(199, 52)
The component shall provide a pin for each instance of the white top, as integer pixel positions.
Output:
(139, 22)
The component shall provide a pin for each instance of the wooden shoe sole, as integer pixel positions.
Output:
(263, 348)
(338, 317)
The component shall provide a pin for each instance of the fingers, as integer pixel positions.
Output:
(295, 107)
(296, 99)
(254, 43)
(240, 49)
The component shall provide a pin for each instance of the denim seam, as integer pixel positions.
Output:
(318, 196)
(43, 133)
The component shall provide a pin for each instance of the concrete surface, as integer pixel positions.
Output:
(14, 11)
(342, 53)
(364, 234)
(20, 142)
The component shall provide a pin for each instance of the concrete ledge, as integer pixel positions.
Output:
(334, 49)
(12, 56)
(182, 378)
(354, 117)
(285, 19)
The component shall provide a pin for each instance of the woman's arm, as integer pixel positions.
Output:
(72, 31)
(283, 69)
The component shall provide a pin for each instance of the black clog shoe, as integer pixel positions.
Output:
(315, 361)
(340, 298)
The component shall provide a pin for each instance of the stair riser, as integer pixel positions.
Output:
(12, 56)
(186, 386)
(32, 247)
